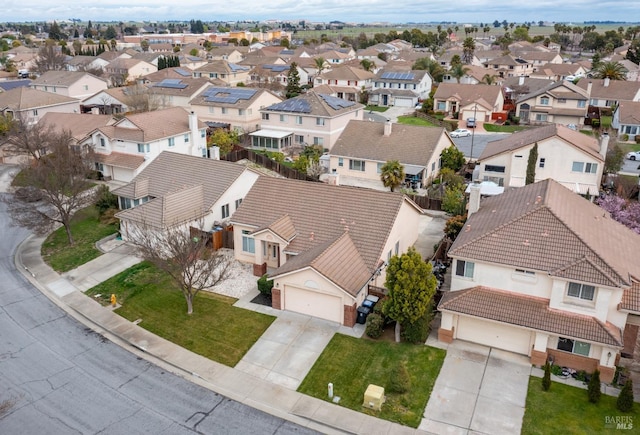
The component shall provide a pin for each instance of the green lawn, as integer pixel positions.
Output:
(567, 410)
(86, 230)
(376, 109)
(414, 120)
(215, 330)
(352, 364)
(503, 128)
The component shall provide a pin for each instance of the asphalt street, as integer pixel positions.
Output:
(58, 377)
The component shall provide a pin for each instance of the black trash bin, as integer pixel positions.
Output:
(363, 312)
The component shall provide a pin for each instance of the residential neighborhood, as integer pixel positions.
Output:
(348, 228)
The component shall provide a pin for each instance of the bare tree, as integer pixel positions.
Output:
(30, 139)
(187, 259)
(50, 57)
(138, 98)
(58, 187)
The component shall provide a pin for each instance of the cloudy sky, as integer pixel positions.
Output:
(366, 11)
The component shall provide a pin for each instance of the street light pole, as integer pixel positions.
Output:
(473, 130)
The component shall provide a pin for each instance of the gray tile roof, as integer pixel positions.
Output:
(616, 90)
(24, 98)
(62, 78)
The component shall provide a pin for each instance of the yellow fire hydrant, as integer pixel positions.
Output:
(113, 300)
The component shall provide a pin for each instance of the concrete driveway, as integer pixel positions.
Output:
(479, 389)
(286, 351)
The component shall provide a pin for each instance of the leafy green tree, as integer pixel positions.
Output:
(55, 32)
(625, 398)
(366, 64)
(144, 44)
(453, 200)
(434, 68)
(454, 225)
(546, 378)
(223, 139)
(293, 88)
(614, 159)
(193, 52)
(392, 174)
(110, 33)
(489, 79)
(452, 158)
(530, 177)
(411, 286)
(594, 387)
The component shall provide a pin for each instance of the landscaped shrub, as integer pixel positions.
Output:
(105, 199)
(265, 285)
(625, 398)
(637, 137)
(556, 370)
(418, 331)
(454, 225)
(546, 379)
(399, 380)
(594, 387)
(624, 137)
(375, 325)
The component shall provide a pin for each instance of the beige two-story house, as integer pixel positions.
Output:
(559, 102)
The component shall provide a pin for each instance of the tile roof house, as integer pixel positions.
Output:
(348, 81)
(322, 245)
(509, 66)
(559, 102)
(543, 272)
(308, 119)
(69, 83)
(31, 104)
(121, 71)
(608, 93)
(400, 88)
(364, 147)
(176, 92)
(178, 190)
(569, 157)
(126, 147)
(107, 102)
(559, 71)
(230, 73)
(626, 119)
(470, 101)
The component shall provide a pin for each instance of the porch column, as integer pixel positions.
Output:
(446, 330)
(607, 364)
(539, 352)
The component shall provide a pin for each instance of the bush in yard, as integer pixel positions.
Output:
(594, 387)
(454, 225)
(546, 379)
(105, 199)
(624, 137)
(375, 324)
(265, 285)
(625, 398)
(399, 380)
(637, 137)
(418, 331)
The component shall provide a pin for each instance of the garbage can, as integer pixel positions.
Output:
(363, 312)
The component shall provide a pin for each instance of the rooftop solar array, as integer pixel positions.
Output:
(228, 95)
(288, 52)
(171, 83)
(295, 105)
(276, 68)
(182, 72)
(336, 103)
(235, 67)
(398, 75)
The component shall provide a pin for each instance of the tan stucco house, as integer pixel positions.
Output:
(69, 83)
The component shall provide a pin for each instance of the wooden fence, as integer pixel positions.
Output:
(266, 162)
(426, 203)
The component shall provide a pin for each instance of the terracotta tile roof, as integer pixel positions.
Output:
(79, 124)
(629, 112)
(528, 137)
(282, 227)
(62, 78)
(618, 90)
(120, 160)
(631, 298)
(316, 104)
(321, 213)
(530, 84)
(409, 144)
(24, 98)
(546, 227)
(468, 94)
(529, 312)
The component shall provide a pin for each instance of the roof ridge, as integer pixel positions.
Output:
(606, 326)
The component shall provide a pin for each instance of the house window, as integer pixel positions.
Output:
(102, 142)
(86, 87)
(577, 167)
(211, 109)
(379, 168)
(494, 168)
(340, 161)
(241, 112)
(318, 140)
(35, 112)
(265, 116)
(562, 100)
(248, 243)
(283, 118)
(582, 103)
(172, 141)
(442, 106)
(433, 166)
(299, 120)
(225, 211)
(541, 117)
(125, 203)
(498, 180)
(143, 147)
(356, 165)
(574, 346)
(544, 101)
(397, 248)
(542, 162)
(581, 291)
(319, 121)
(186, 138)
(299, 138)
(464, 268)
(594, 102)
(224, 110)
(525, 272)
(591, 168)
(203, 133)
(238, 202)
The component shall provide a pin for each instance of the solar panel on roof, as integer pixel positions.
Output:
(336, 103)
(295, 105)
(182, 72)
(171, 83)
(228, 95)
(391, 75)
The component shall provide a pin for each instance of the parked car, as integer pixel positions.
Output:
(633, 155)
(471, 122)
(461, 132)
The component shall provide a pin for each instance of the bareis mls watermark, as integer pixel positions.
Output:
(622, 422)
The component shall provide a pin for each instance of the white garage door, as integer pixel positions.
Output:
(494, 334)
(404, 102)
(314, 304)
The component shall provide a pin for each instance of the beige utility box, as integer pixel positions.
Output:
(374, 397)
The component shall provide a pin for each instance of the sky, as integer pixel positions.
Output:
(359, 11)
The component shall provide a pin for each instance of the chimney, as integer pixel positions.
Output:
(604, 144)
(606, 82)
(589, 86)
(474, 199)
(387, 128)
(521, 80)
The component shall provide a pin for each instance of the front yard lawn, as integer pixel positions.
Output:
(414, 120)
(493, 128)
(376, 108)
(86, 229)
(351, 364)
(215, 330)
(567, 410)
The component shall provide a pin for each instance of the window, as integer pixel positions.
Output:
(541, 117)
(542, 162)
(594, 102)
(241, 112)
(591, 168)
(211, 109)
(225, 211)
(299, 138)
(238, 202)
(356, 165)
(143, 147)
(562, 100)
(581, 291)
(86, 87)
(582, 103)
(125, 203)
(248, 243)
(379, 168)
(35, 112)
(283, 118)
(172, 141)
(544, 101)
(340, 161)
(299, 120)
(574, 346)
(319, 121)
(464, 268)
(265, 116)
(433, 166)
(397, 248)
(186, 138)
(203, 133)
(224, 110)
(493, 168)
(525, 272)
(577, 166)
(442, 106)
(102, 142)
(318, 140)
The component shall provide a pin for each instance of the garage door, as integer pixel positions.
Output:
(314, 304)
(494, 334)
(404, 102)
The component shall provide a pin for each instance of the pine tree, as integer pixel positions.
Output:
(594, 387)
(625, 398)
(293, 81)
(531, 165)
(546, 379)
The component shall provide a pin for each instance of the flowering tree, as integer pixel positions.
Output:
(621, 210)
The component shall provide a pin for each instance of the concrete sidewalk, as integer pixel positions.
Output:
(243, 387)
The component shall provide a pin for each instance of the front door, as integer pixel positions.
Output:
(385, 100)
(273, 255)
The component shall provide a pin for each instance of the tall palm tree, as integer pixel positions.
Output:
(468, 48)
(458, 71)
(392, 174)
(320, 64)
(611, 70)
(489, 79)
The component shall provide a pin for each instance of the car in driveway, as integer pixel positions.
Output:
(471, 122)
(633, 155)
(461, 132)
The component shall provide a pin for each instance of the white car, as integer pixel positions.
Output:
(633, 155)
(461, 132)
